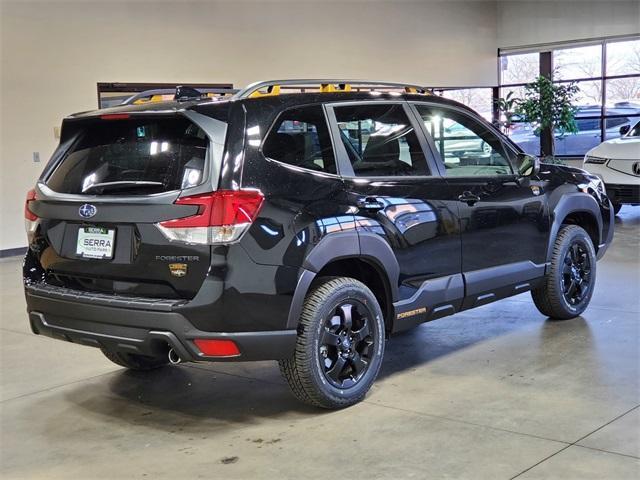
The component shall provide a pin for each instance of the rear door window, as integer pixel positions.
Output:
(133, 157)
(300, 137)
(380, 140)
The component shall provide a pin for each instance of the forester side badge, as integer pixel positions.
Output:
(411, 313)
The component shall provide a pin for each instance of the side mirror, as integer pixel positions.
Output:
(529, 167)
(624, 130)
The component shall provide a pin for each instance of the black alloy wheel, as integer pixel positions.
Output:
(568, 285)
(345, 344)
(340, 344)
(576, 273)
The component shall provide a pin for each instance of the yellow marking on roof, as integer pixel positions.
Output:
(330, 87)
(153, 99)
(272, 90)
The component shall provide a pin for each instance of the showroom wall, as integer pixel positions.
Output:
(54, 53)
(531, 22)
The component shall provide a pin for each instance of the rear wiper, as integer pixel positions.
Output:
(122, 185)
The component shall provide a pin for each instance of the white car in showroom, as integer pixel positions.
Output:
(617, 162)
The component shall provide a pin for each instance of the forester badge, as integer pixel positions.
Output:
(178, 269)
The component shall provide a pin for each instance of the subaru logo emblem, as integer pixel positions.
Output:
(87, 210)
(636, 168)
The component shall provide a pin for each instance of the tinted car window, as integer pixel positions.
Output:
(467, 147)
(300, 137)
(129, 157)
(591, 124)
(380, 140)
(615, 122)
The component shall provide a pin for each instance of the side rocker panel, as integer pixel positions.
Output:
(435, 298)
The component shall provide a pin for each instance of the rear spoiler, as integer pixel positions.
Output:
(180, 93)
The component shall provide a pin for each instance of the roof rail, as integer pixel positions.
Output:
(157, 94)
(274, 87)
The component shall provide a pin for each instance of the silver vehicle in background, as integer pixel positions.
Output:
(588, 135)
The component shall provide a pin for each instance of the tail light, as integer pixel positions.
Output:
(223, 216)
(30, 218)
(217, 348)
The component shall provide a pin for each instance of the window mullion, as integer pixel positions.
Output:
(603, 91)
(546, 135)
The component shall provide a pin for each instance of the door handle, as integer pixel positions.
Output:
(371, 204)
(469, 198)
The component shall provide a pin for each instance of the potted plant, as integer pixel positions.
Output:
(506, 112)
(547, 107)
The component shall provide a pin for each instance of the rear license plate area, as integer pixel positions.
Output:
(95, 242)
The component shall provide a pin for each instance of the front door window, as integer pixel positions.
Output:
(467, 147)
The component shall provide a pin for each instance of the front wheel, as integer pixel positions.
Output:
(340, 344)
(569, 285)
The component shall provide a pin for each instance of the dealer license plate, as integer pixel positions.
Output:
(95, 242)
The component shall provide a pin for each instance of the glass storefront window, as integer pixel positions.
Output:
(580, 62)
(613, 125)
(623, 92)
(479, 99)
(521, 133)
(608, 76)
(523, 68)
(589, 95)
(623, 58)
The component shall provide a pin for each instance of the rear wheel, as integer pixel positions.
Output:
(340, 344)
(133, 361)
(569, 285)
(616, 208)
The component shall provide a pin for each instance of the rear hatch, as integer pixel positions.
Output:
(99, 206)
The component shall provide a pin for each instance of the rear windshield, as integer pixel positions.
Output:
(133, 157)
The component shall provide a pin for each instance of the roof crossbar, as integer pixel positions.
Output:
(274, 87)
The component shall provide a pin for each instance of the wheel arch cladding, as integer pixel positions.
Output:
(346, 254)
(576, 209)
(588, 222)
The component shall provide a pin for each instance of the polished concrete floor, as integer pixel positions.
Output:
(494, 393)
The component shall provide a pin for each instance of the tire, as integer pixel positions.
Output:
(334, 364)
(568, 287)
(133, 361)
(616, 208)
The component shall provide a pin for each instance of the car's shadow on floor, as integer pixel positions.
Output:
(197, 399)
(182, 398)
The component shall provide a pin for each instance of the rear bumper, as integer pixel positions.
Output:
(627, 194)
(141, 329)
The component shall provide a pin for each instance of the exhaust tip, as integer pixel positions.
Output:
(174, 358)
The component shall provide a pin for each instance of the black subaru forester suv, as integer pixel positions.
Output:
(299, 221)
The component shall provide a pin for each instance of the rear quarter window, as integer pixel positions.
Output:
(300, 137)
(133, 156)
